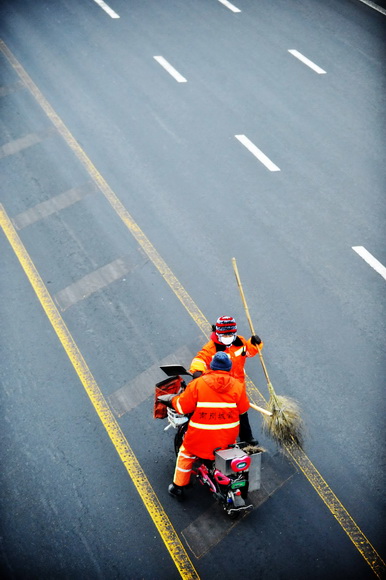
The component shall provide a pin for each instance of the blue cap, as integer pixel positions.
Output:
(221, 362)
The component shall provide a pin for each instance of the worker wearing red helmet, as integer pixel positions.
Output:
(225, 338)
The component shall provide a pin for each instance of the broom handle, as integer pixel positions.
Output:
(270, 387)
(242, 296)
(260, 409)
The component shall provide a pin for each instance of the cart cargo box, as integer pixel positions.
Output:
(224, 457)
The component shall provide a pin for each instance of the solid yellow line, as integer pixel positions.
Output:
(309, 470)
(340, 513)
(146, 492)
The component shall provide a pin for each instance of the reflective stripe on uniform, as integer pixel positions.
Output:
(199, 361)
(187, 456)
(239, 352)
(184, 466)
(213, 427)
(218, 405)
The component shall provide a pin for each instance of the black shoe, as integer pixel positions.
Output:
(176, 491)
(253, 441)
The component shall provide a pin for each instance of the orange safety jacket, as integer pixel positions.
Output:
(216, 400)
(239, 351)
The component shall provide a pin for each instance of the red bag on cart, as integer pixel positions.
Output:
(169, 386)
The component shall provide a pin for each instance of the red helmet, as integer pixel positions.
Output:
(226, 325)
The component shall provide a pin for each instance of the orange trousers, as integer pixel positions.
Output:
(184, 466)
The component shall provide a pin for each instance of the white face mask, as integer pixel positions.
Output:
(227, 340)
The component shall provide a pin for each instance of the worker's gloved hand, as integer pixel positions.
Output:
(166, 399)
(255, 340)
(197, 374)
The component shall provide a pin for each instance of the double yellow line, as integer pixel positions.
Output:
(146, 492)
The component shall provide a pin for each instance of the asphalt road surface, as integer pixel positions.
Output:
(143, 145)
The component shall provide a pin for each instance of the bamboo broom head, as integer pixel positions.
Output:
(285, 425)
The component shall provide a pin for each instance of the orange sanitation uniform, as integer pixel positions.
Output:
(238, 351)
(216, 400)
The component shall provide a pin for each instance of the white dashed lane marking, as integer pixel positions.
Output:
(107, 9)
(371, 261)
(170, 69)
(229, 5)
(307, 61)
(257, 153)
(374, 6)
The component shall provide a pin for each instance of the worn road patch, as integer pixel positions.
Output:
(140, 388)
(18, 145)
(213, 525)
(91, 283)
(53, 205)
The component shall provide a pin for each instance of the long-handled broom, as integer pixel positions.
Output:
(282, 420)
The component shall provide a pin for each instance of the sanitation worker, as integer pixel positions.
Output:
(224, 338)
(217, 400)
